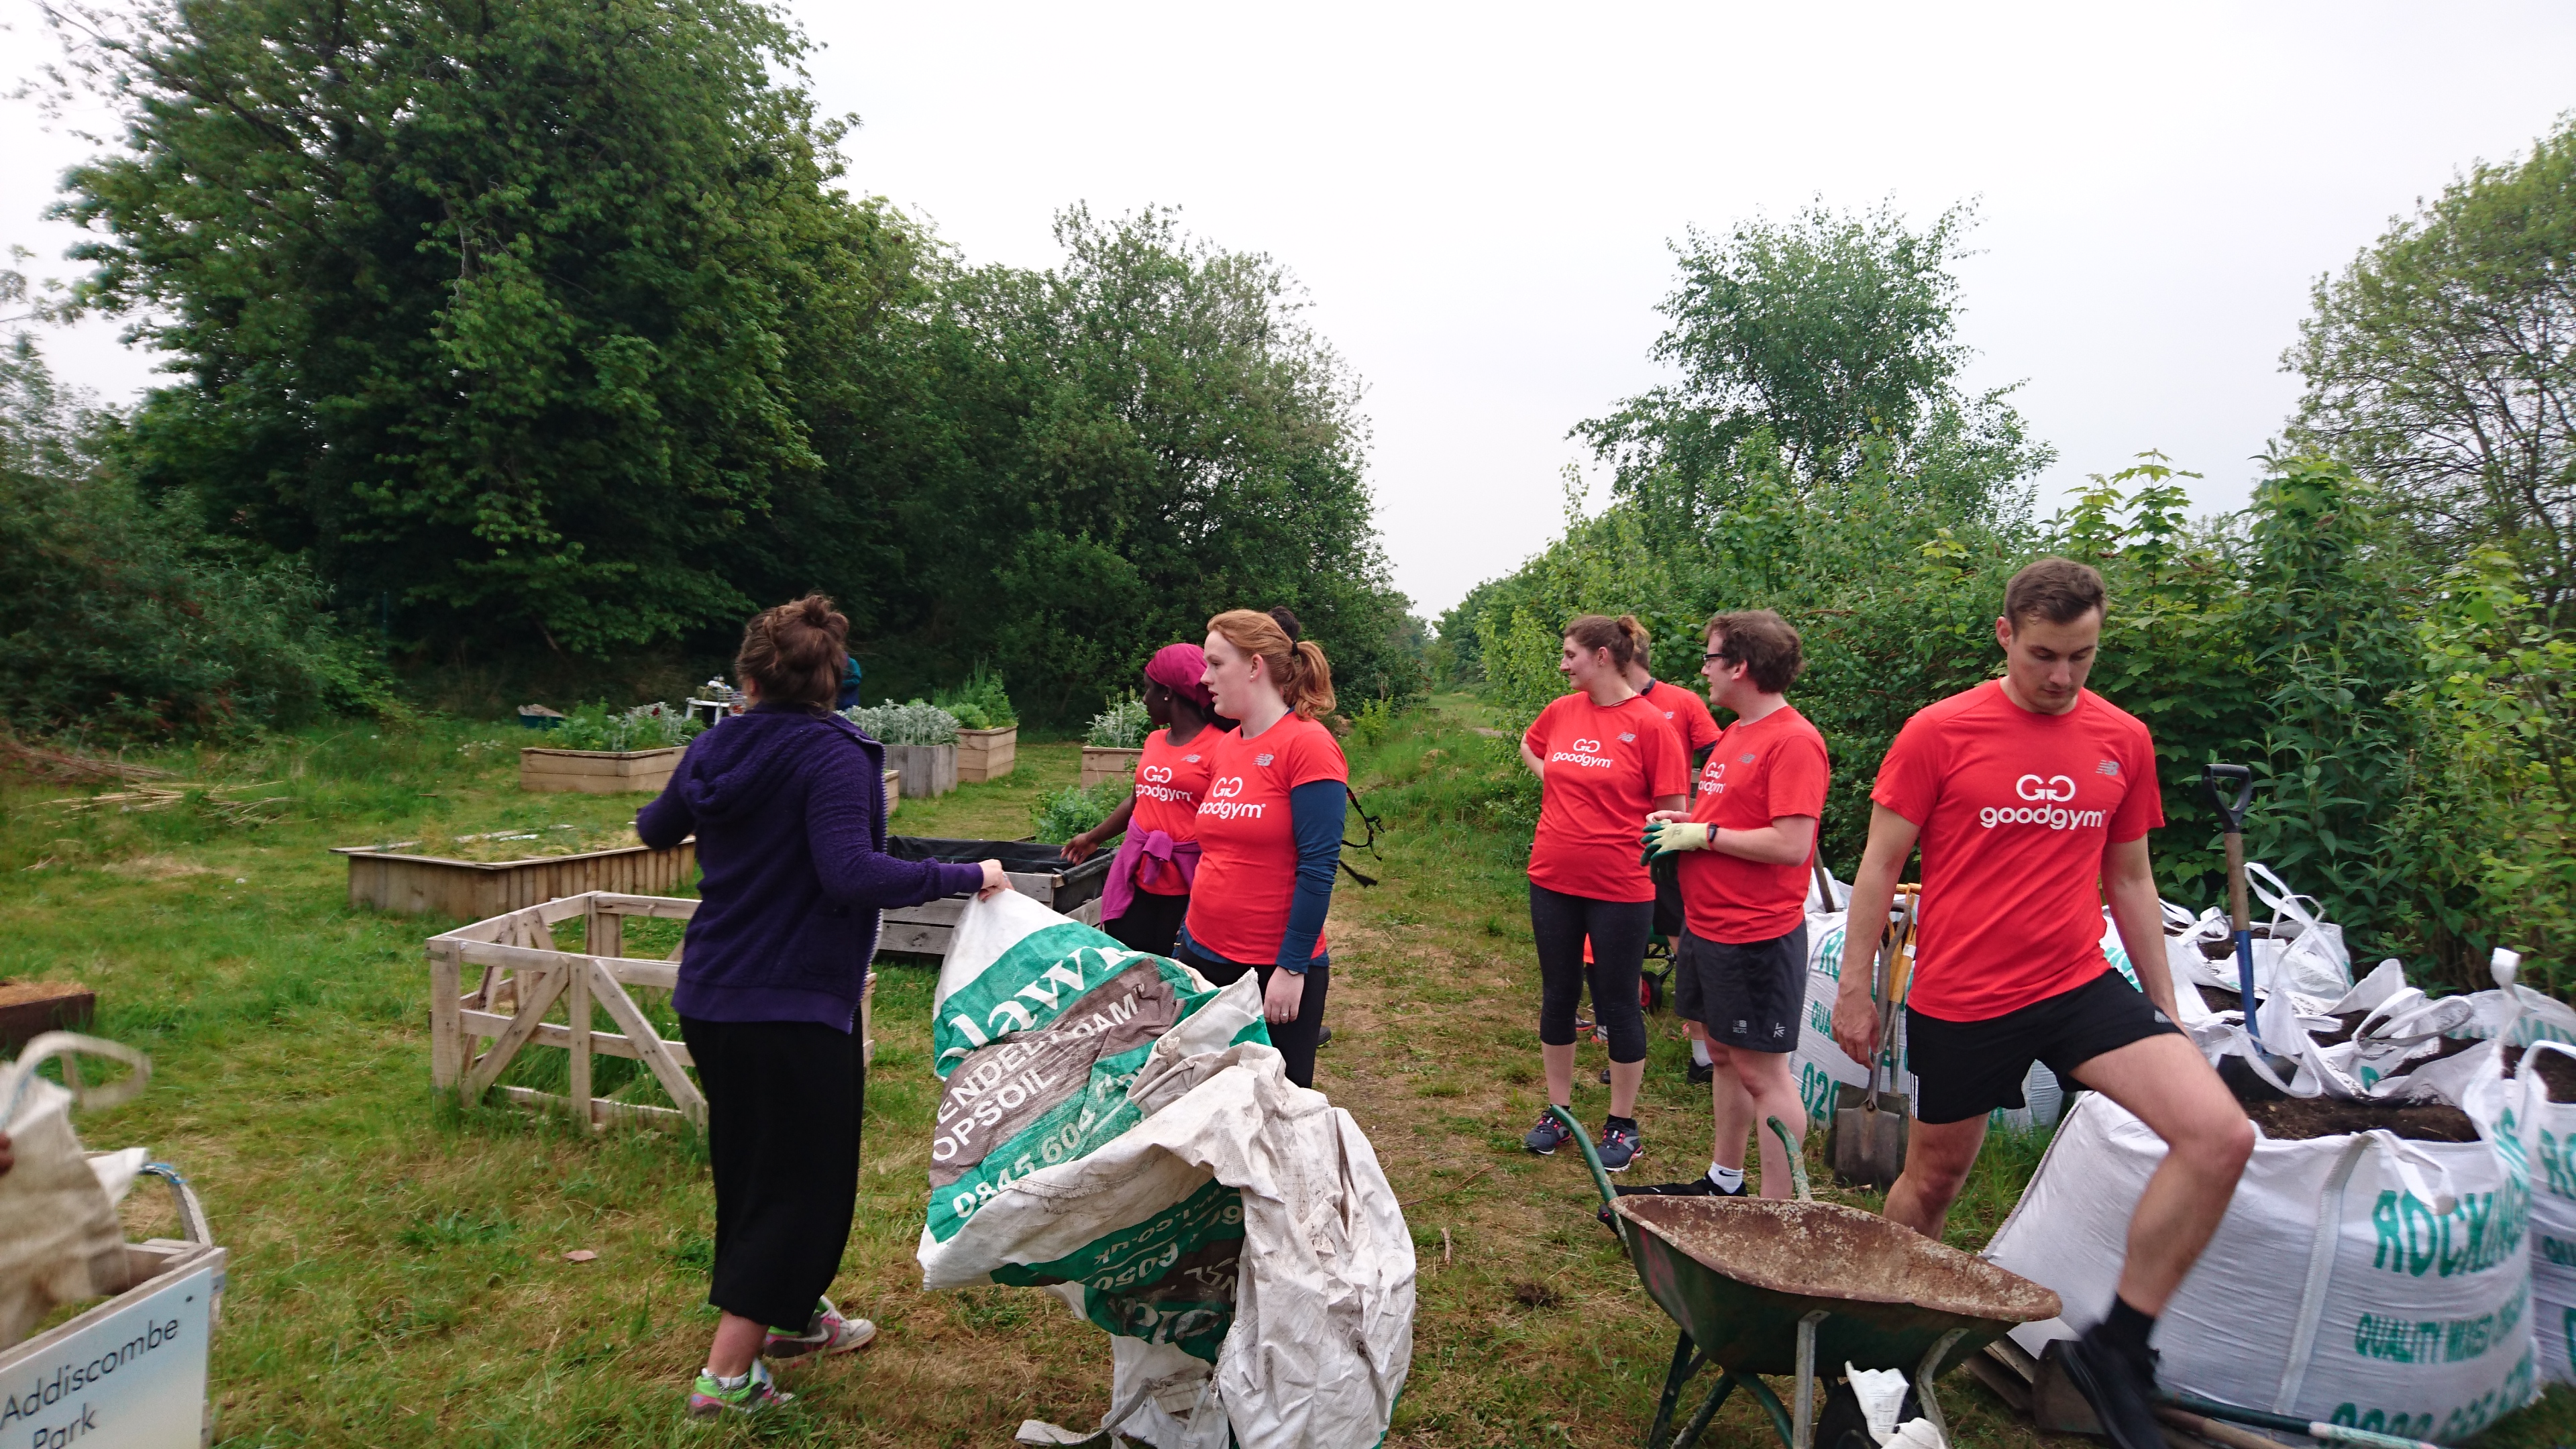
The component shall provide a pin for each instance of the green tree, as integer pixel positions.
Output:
(491, 309)
(2442, 365)
(1825, 333)
(1170, 439)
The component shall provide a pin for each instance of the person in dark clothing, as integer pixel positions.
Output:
(1270, 828)
(1148, 891)
(789, 810)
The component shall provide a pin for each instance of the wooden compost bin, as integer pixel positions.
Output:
(986, 754)
(927, 770)
(1034, 870)
(467, 890)
(500, 986)
(598, 772)
(1099, 763)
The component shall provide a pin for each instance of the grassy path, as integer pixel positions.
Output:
(399, 1275)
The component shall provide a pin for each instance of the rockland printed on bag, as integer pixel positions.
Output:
(2362, 1279)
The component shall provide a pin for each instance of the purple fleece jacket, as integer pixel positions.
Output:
(789, 810)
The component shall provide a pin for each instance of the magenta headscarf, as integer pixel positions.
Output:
(1181, 668)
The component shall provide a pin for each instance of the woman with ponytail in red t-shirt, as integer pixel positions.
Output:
(1605, 758)
(1270, 827)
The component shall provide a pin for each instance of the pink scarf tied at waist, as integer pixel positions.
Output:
(1119, 891)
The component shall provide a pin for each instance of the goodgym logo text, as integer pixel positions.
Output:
(2047, 792)
(1221, 801)
(1585, 754)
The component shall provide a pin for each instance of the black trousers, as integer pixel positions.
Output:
(784, 1103)
(1151, 924)
(1295, 1039)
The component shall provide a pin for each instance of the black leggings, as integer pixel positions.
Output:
(1295, 1039)
(784, 1104)
(1151, 923)
(1618, 932)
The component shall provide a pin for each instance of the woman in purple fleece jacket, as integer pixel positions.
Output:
(788, 805)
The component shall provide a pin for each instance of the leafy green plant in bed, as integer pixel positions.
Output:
(645, 727)
(981, 703)
(1068, 812)
(905, 724)
(1122, 726)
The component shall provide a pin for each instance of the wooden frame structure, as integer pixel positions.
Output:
(520, 979)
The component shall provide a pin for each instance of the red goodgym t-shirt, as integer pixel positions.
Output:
(1606, 768)
(1758, 773)
(1688, 714)
(1170, 781)
(2016, 810)
(1247, 843)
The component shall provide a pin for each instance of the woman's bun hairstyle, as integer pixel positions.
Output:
(1640, 643)
(1297, 666)
(796, 652)
(1600, 631)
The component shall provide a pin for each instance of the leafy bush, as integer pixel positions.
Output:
(126, 620)
(1122, 726)
(645, 727)
(1074, 809)
(905, 724)
(981, 703)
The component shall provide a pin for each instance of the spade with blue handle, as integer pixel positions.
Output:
(2215, 782)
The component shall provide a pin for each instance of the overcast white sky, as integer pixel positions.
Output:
(1479, 197)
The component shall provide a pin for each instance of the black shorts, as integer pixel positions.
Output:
(1750, 996)
(1965, 1069)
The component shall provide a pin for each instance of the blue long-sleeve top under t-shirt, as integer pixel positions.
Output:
(1315, 811)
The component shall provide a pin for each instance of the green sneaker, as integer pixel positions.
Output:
(711, 1396)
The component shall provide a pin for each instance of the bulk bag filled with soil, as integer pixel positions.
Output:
(1119, 1132)
(2544, 1094)
(2371, 1271)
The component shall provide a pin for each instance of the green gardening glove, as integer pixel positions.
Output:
(1667, 837)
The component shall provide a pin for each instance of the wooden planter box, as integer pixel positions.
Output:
(1100, 763)
(421, 885)
(29, 1009)
(1034, 871)
(927, 770)
(598, 772)
(986, 754)
(499, 981)
(893, 791)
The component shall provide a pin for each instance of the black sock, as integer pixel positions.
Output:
(2127, 1329)
(1616, 1123)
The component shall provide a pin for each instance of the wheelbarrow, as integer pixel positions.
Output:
(1767, 1286)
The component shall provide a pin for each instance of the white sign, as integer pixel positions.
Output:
(133, 1379)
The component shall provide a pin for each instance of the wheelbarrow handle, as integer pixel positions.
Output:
(1591, 1158)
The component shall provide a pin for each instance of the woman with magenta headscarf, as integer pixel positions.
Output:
(1148, 890)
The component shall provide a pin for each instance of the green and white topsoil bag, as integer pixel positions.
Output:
(2549, 1141)
(1117, 1131)
(2359, 1279)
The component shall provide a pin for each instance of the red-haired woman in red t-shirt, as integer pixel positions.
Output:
(1270, 827)
(1605, 758)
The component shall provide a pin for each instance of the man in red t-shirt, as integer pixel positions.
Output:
(2032, 798)
(1740, 966)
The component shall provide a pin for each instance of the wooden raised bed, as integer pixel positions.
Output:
(1102, 763)
(29, 1009)
(986, 754)
(893, 791)
(598, 772)
(467, 890)
(503, 982)
(924, 929)
(927, 770)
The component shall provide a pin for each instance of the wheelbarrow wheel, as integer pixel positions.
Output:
(1841, 1424)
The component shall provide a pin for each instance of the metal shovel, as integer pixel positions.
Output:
(1869, 1123)
(2214, 782)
